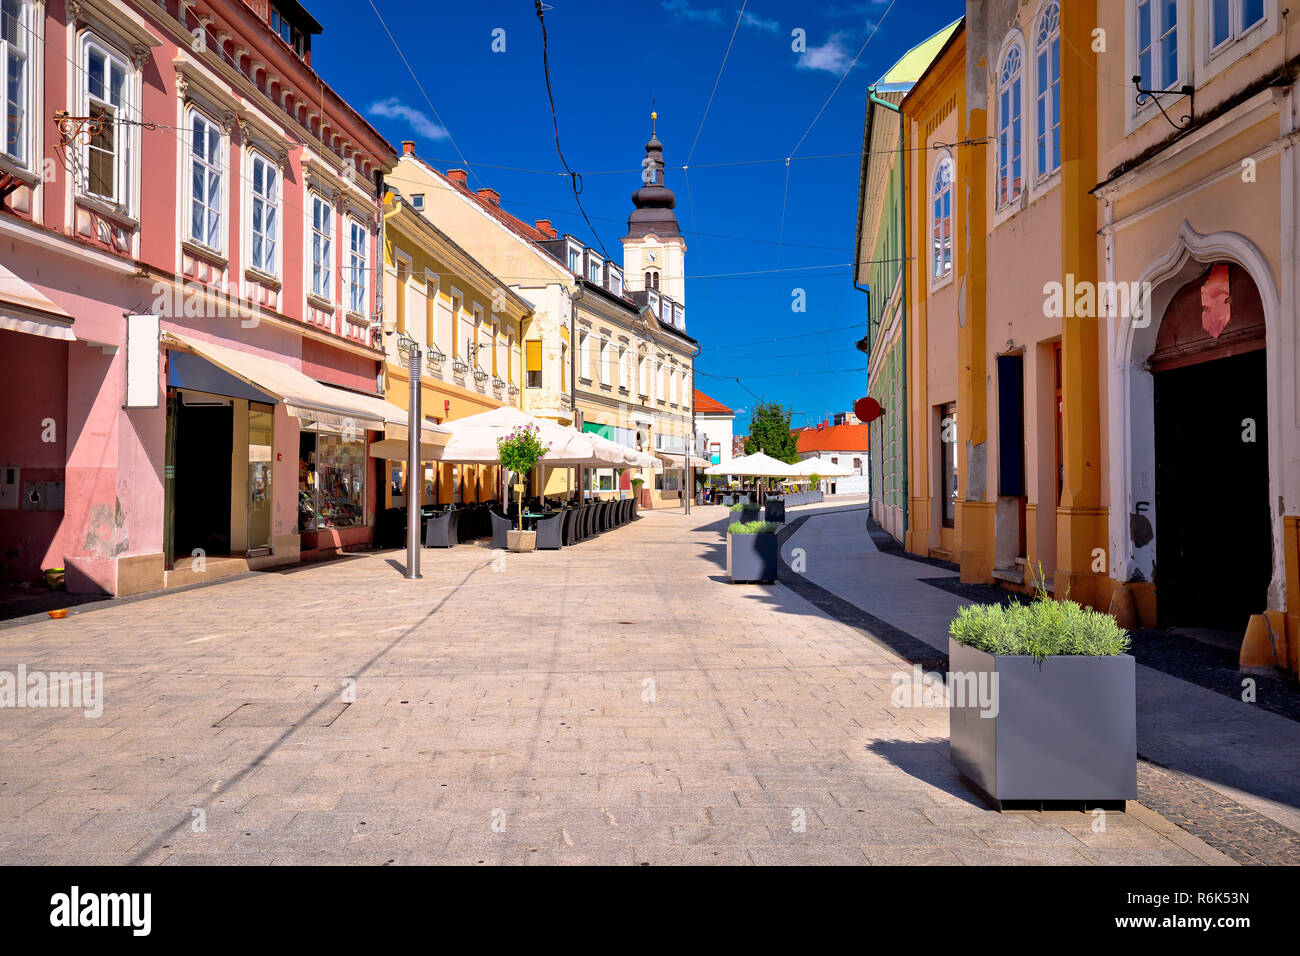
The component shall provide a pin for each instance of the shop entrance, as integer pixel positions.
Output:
(203, 449)
(1213, 524)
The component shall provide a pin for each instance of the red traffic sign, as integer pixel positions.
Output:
(867, 409)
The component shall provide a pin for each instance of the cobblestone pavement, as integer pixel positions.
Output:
(617, 702)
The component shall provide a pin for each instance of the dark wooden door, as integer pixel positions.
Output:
(1213, 533)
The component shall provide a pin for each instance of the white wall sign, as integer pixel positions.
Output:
(142, 332)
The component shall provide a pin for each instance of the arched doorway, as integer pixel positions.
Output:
(1213, 552)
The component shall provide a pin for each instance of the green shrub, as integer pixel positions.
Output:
(737, 508)
(1041, 628)
(753, 527)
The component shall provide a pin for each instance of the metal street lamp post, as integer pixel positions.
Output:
(409, 349)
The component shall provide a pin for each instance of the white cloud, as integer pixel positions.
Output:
(393, 108)
(682, 10)
(833, 56)
(750, 20)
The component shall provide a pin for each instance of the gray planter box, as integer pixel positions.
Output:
(752, 557)
(1062, 730)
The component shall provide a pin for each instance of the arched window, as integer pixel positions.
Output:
(1010, 122)
(652, 280)
(942, 223)
(1047, 73)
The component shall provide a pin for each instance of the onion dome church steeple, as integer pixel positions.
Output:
(654, 201)
(654, 249)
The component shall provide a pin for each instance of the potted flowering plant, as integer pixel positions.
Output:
(519, 452)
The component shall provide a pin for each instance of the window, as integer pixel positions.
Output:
(478, 324)
(584, 355)
(205, 181)
(13, 79)
(615, 281)
(107, 157)
(948, 463)
(534, 347)
(322, 236)
(943, 175)
(510, 357)
(492, 344)
(594, 269)
(624, 370)
(605, 348)
(455, 323)
(399, 296)
(265, 215)
(358, 268)
(281, 26)
(1009, 126)
(643, 376)
(1047, 115)
(672, 388)
(1229, 19)
(417, 201)
(652, 279)
(431, 313)
(1157, 43)
(575, 259)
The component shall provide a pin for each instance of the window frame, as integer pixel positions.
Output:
(1137, 116)
(1212, 59)
(221, 166)
(615, 276)
(944, 159)
(1050, 120)
(29, 53)
(315, 196)
(352, 283)
(125, 146)
(1014, 44)
(256, 156)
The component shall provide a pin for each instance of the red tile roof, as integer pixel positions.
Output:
(705, 405)
(457, 179)
(834, 438)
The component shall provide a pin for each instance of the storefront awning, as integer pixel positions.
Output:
(302, 396)
(679, 461)
(24, 309)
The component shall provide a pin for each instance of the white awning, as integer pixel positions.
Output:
(303, 396)
(24, 309)
(679, 461)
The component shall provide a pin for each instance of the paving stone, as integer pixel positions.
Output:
(518, 699)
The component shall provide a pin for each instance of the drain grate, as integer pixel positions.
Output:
(281, 715)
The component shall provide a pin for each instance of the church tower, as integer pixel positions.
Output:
(654, 252)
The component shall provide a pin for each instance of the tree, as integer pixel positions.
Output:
(769, 433)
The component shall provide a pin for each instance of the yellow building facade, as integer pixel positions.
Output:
(471, 329)
(1102, 377)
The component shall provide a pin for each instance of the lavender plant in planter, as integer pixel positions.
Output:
(1042, 704)
(753, 551)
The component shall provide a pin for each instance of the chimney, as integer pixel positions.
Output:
(408, 147)
(491, 195)
(459, 177)
(545, 228)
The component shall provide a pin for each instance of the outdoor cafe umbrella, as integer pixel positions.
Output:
(757, 465)
(474, 439)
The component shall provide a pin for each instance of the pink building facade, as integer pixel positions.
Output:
(189, 358)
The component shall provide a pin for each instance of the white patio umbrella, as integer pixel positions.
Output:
(611, 453)
(474, 439)
(757, 465)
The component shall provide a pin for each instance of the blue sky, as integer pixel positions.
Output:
(608, 58)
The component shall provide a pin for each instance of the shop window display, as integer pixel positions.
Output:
(331, 482)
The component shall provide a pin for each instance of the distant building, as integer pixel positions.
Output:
(738, 445)
(845, 418)
(714, 429)
(841, 445)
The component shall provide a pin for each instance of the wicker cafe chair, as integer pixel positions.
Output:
(439, 530)
(500, 525)
(548, 532)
